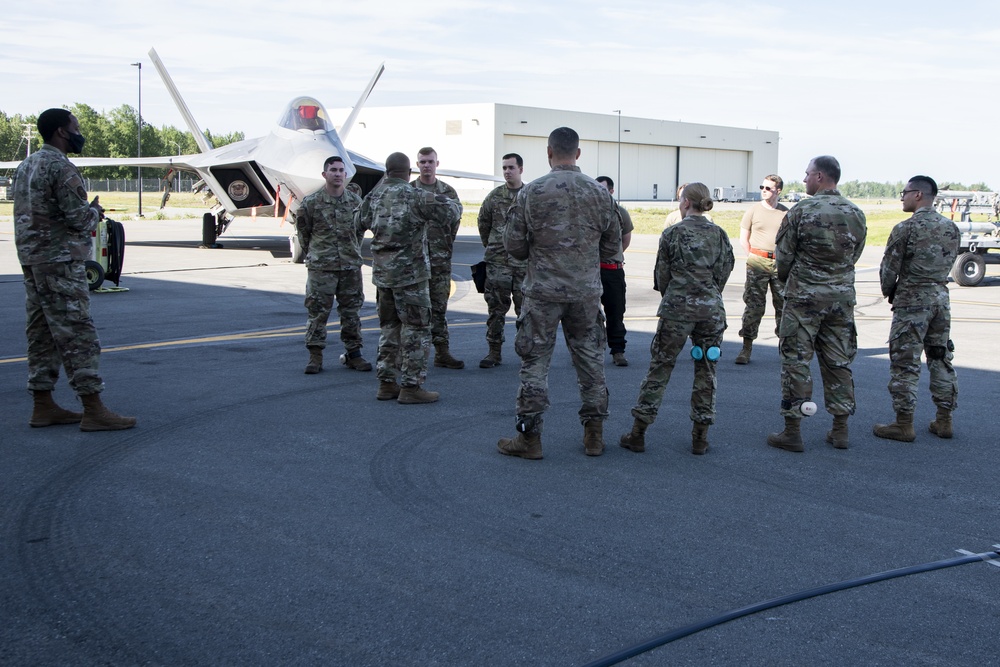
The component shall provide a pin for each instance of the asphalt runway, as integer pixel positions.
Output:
(260, 516)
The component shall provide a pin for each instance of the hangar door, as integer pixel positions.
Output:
(647, 171)
(713, 167)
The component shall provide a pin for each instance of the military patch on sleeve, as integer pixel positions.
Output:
(81, 193)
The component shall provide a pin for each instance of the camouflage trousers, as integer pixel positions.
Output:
(503, 285)
(915, 330)
(59, 328)
(761, 275)
(671, 335)
(583, 330)
(826, 328)
(321, 288)
(440, 290)
(404, 315)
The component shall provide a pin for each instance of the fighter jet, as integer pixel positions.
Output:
(265, 176)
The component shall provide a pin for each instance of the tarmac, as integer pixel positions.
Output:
(260, 516)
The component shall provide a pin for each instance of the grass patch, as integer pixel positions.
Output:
(881, 215)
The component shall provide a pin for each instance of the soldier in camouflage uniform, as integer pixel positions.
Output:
(53, 227)
(818, 244)
(757, 231)
(442, 228)
(331, 243)
(504, 274)
(562, 224)
(914, 277)
(396, 213)
(693, 264)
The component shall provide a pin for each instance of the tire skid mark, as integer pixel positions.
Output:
(56, 581)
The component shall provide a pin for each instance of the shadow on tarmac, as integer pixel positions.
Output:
(258, 515)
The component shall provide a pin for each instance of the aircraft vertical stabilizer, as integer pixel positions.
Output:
(199, 136)
(345, 129)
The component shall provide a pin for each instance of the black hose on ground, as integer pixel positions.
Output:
(679, 633)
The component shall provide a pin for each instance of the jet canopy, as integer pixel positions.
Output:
(305, 114)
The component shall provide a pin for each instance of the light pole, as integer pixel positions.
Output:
(619, 181)
(139, 151)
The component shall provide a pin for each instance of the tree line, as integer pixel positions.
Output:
(109, 134)
(887, 190)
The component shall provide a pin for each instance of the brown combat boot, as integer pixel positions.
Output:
(790, 439)
(593, 438)
(492, 359)
(523, 445)
(416, 396)
(941, 426)
(635, 440)
(315, 364)
(47, 413)
(388, 390)
(837, 436)
(443, 358)
(743, 357)
(901, 429)
(96, 417)
(699, 438)
(355, 361)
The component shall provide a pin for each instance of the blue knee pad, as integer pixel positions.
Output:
(712, 353)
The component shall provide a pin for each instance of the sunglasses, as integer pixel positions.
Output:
(764, 187)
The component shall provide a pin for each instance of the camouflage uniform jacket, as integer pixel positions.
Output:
(53, 221)
(442, 224)
(693, 264)
(328, 232)
(396, 214)
(819, 242)
(918, 257)
(563, 223)
(492, 223)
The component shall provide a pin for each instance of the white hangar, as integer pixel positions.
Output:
(647, 158)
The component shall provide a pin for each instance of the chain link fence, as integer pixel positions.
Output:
(132, 184)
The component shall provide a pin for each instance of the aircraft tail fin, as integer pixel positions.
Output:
(351, 119)
(199, 137)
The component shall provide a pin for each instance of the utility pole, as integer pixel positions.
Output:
(139, 147)
(28, 130)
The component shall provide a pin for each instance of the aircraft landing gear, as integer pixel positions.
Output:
(211, 227)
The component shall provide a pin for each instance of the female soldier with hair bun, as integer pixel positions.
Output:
(693, 264)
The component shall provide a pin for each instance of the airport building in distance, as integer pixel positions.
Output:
(655, 155)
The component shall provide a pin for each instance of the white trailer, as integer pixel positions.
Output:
(732, 193)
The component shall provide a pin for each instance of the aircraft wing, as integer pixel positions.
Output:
(466, 174)
(166, 162)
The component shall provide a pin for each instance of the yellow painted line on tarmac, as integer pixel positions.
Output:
(247, 335)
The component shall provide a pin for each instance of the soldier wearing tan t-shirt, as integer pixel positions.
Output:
(757, 231)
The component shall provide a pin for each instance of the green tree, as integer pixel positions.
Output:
(13, 145)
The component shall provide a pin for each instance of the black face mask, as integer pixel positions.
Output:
(76, 142)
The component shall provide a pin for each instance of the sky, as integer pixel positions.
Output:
(892, 89)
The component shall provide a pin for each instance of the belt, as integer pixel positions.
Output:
(611, 265)
(762, 253)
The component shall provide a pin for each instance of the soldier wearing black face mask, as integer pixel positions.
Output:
(53, 226)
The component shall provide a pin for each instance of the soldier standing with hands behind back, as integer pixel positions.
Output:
(562, 224)
(53, 226)
(818, 244)
(914, 277)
